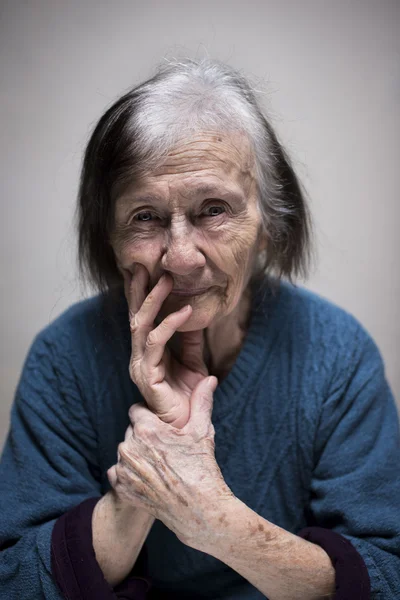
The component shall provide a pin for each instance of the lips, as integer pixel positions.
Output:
(186, 292)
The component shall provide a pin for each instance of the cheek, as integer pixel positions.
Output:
(239, 253)
(233, 249)
(146, 252)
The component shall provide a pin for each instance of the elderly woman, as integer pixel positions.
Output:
(203, 428)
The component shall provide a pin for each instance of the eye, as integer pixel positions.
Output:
(144, 216)
(214, 211)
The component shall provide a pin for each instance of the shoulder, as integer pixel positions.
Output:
(311, 314)
(92, 318)
(76, 356)
(328, 338)
(308, 304)
(84, 337)
(336, 361)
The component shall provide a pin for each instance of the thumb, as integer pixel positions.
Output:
(201, 400)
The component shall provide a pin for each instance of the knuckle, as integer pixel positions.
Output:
(120, 473)
(123, 452)
(139, 491)
(135, 409)
(152, 339)
(133, 324)
(132, 412)
(121, 448)
(133, 370)
(142, 430)
(128, 433)
(149, 300)
(167, 323)
(132, 367)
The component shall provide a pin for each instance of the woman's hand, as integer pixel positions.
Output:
(172, 473)
(164, 382)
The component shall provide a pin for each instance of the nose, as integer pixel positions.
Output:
(181, 255)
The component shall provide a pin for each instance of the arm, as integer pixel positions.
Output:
(77, 572)
(119, 532)
(279, 564)
(353, 498)
(126, 525)
(355, 484)
(48, 474)
(48, 466)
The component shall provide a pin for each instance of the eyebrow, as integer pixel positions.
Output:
(206, 188)
(200, 190)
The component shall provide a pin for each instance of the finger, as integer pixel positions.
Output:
(142, 322)
(112, 476)
(138, 288)
(152, 303)
(201, 401)
(157, 339)
(128, 433)
(192, 351)
(139, 413)
(146, 423)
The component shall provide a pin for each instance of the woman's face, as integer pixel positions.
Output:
(195, 218)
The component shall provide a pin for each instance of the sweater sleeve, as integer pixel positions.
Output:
(49, 466)
(355, 487)
(74, 566)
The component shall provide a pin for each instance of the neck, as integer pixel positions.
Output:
(224, 339)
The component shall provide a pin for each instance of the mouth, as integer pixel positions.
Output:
(183, 292)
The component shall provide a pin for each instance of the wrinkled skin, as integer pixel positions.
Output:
(169, 222)
(172, 473)
(194, 220)
(166, 381)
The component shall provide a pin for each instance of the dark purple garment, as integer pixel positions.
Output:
(74, 565)
(352, 579)
(79, 577)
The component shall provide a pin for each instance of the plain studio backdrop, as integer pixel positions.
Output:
(328, 73)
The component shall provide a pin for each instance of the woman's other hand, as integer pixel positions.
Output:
(172, 473)
(164, 382)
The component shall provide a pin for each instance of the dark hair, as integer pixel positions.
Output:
(118, 150)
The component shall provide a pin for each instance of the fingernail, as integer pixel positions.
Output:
(212, 383)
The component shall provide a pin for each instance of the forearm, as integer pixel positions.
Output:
(119, 532)
(281, 565)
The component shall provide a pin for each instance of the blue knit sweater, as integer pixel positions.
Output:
(306, 434)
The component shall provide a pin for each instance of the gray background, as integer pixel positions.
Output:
(329, 76)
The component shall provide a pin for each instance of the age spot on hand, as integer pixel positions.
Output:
(182, 500)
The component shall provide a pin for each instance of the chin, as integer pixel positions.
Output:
(197, 321)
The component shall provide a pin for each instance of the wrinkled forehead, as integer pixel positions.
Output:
(230, 152)
(204, 162)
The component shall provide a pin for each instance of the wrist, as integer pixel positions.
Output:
(213, 521)
(232, 520)
(243, 540)
(118, 515)
(118, 533)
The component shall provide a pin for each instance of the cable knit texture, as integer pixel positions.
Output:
(306, 435)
